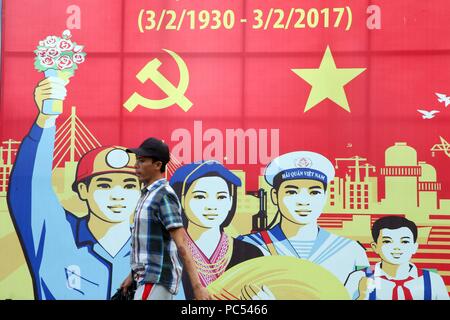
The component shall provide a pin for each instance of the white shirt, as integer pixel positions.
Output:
(384, 288)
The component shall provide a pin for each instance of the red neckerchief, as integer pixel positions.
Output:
(400, 284)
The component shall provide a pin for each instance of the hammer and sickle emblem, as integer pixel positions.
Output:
(175, 95)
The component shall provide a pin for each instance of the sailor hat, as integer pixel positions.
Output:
(299, 165)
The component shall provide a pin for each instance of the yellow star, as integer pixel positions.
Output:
(328, 82)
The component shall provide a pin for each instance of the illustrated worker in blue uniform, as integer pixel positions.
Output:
(71, 257)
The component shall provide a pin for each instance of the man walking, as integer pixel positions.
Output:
(158, 236)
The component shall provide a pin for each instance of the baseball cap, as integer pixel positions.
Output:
(153, 148)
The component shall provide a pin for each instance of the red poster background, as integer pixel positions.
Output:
(241, 78)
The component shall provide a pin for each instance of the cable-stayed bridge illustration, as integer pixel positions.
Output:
(73, 139)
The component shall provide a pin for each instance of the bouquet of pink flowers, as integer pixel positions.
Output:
(58, 57)
(59, 54)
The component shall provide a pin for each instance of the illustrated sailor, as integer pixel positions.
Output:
(300, 181)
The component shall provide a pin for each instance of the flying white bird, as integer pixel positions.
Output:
(443, 98)
(428, 114)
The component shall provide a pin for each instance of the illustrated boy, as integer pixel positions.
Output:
(395, 277)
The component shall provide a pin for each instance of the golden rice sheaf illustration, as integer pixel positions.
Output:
(286, 278)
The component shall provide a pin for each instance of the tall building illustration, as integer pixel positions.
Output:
(8, 150)
(428, 186)
(401, 173)
(73, 139)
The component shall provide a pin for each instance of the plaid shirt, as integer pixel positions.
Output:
(154, 255)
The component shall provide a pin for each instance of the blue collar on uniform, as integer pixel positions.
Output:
(84, 236)
(277, 232)
(81, 233)
(280, 236)
(322, 235)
